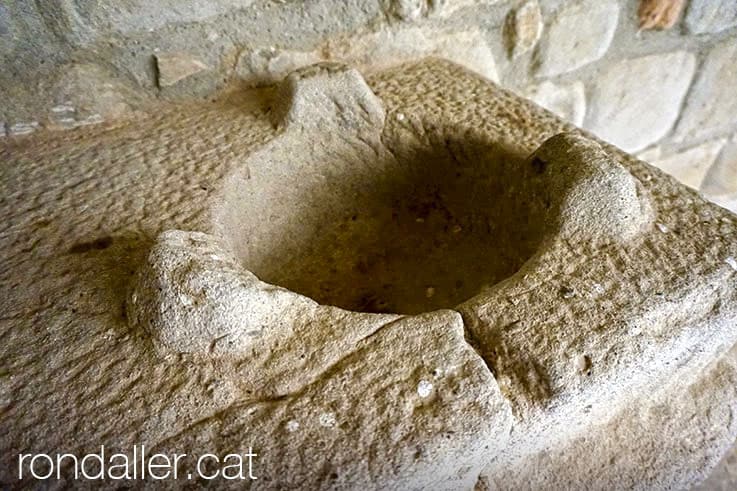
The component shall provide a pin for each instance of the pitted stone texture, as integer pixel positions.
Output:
(711, 104)
(633, 112)
(567, 101)
(84, 208)
(672, 407)
(691, 165)
(710, 16)
(363, 424)
(579, 33)
(525, 25)
(583, 194)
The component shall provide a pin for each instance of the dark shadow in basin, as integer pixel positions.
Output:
(403, 228)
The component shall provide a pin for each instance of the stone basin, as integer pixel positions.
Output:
(419, 282)
(352, 226)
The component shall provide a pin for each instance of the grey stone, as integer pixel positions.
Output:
(635, 102)
(711, 105)
(579, 33)
(567, 101)
(690, 166)
(710, 16)
(721, 178)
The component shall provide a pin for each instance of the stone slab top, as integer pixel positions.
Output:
(404, 282)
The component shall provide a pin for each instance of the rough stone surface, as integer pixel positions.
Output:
(85, 94)
(73, 64)
(525, 26)
(174, 67)
(708, 16)
(711, 104)
(115, 236)
(372, 51)
(635, 111)
(566, 101)
(390, 47)
(579, 33)
(690, 166)
(266, 66)
(720, 182)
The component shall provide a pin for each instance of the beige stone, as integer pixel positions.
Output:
(525, 27)
(175, 67)
(579, 33)
(634, 112)
(229, 275)
(567, 101)
(392, 46)
(691, 165)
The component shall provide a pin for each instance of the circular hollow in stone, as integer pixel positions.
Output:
(402, 227)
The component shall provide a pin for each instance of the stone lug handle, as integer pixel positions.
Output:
(581, 193)
(325, 95)
(379, 229)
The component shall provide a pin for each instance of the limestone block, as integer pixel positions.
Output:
(86, 93)
(567, 101)
(525, 25)
(418, 280)
(392, 46)
(413, 10)
(720, 181)
(710, 16)
(635, 102)
(137, 15)
(373, 51)
(578, 34)
(174, 67)
(270, 65)
(711, 105)
(690, 166)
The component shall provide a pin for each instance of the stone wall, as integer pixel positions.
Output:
(656, 78)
